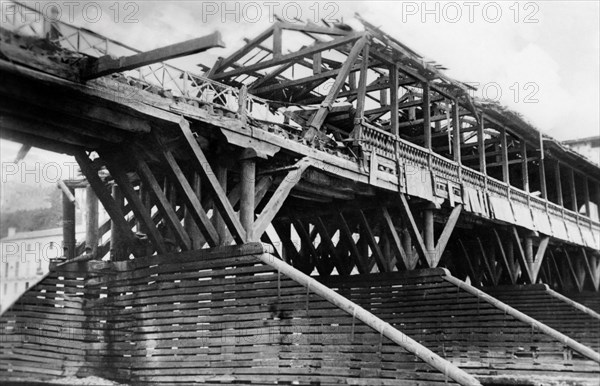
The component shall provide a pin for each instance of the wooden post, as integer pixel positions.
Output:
(503, 143)
(393, 99)
(524, 166)
(277, 42)
(542, 170)
(586, 197)
(457, 137)
(481, 144)
(68, 224)
(190, 225)
(574, 205)
(361, 94)
(247, 194)
(426, 115)
(91, 237)
(317, 63)
(428, 229)
(118, 243)
(242, 112)
(558, 182)
(220, 225)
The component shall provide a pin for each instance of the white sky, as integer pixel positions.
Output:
(542, 56)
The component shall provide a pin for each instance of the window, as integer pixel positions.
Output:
(26, 285)
(6, 270)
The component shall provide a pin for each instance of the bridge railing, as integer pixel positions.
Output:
(35, 21)
(383, 143)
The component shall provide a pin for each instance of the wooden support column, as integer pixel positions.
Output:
(481, 144)
(394, 98)
(220, 225)
(220, 198)
(113, 208)
(279, 196)
(524, 166)
(573, 191)
(428, 230)
(361, 94)
(317, 68)
(586, 196)
(91, 236)
(248, 177)
(504, 144)
(118, 241)
(191, 227)
(277, 41)
(456, 126)
(68, 207)
(542, 170)
(558, 182)
(426, 115)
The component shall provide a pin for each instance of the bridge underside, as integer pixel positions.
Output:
(218, 216)
(224, 316)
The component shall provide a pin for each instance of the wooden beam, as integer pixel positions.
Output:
(446, 233)
(285, 58)
(140, 211)
(592, 266)
(68, 225)
(507, 263)
(488, 265)
(319, 117)
(558, 182)
(413, 228)
(119, 233)
(248, 178)
(573, 191)
(524, 166)
(475, 277)
(107, 64)
(481, 144)
(522, 257)
(586, 196)
(362, 86)
(92, 232)
(162, 202)
(574, 274)
(279, 196)
(426, 107)
(539, 258)
(326, 240)
(382, 264)
(224, 63)
(394, 99)
(456, 136)
(404, 262)
(192, 201)
(112, 207)
(359, 260)
(302, 81)
(219, 197)
(504, 145)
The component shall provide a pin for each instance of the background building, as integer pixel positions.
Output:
(24, 260)
(588, 147)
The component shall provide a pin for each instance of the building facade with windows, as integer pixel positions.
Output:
(24, 260)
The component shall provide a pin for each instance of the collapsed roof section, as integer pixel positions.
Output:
(330, 77)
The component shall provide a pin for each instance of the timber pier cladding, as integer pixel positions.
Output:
(247, 179)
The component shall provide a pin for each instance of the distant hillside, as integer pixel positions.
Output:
(30, 207)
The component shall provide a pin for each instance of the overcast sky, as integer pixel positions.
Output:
(539, 58)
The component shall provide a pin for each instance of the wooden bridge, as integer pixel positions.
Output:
(336, 213)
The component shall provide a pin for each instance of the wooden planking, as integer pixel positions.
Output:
(224, 314)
